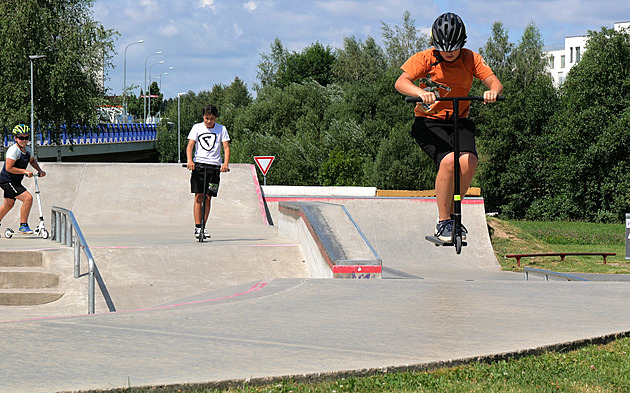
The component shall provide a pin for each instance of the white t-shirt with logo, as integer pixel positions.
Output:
(208, 143)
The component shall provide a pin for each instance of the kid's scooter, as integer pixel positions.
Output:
(40, 230)
(201, 236)
(456, 239)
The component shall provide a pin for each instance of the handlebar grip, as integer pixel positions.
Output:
(418, 99)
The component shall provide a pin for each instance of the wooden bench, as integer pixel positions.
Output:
(558, 254)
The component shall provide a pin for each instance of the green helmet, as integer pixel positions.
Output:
(21, 129)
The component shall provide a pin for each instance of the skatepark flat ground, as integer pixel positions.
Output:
(241, 306)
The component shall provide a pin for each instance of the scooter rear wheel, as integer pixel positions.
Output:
(8, 233)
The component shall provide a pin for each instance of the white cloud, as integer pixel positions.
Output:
(169, 30)
(207, 4)
(250, 6)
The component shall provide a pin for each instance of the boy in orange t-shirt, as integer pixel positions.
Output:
(447, 69)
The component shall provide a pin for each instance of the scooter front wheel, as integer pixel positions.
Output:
(458, 244)
(44, 233)
(8, 233)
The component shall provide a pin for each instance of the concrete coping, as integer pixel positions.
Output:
(339, 242)
(319, 191)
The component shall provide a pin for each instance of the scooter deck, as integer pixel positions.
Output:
(439, 242)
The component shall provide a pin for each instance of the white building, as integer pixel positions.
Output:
(562, 59)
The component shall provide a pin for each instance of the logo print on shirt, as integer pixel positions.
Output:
(207, 140)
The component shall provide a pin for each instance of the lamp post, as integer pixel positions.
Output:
(144, 101)
(179, 151)
(31, 58)
(125, 76)
(164, 73)
(154, 64)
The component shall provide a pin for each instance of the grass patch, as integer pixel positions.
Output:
(529, 237)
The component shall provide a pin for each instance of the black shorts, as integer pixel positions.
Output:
(435, 137)
(12, 189)
(213, 178)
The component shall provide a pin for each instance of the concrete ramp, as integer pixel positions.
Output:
(141, 194)
(396, 227)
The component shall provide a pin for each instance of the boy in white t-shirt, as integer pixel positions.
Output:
(18, 156)
(205, 140)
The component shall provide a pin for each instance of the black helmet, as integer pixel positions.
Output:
(448, 32)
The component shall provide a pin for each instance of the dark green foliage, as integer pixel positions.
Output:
(67, 88)
(588, 172)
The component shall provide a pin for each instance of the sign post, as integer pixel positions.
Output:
(264, 162)
(627, 235)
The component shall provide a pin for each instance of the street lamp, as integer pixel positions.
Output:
(125, 75)
(144, 101)
(165, 73)
(154, 64)
(31, 58)
(179, 152)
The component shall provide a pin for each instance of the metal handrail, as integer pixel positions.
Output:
(63, 224)
(569, 277)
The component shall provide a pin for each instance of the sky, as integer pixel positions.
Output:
(210, 42)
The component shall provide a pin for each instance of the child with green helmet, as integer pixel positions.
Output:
(18, 157)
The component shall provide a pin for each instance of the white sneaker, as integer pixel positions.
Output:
(206, 235)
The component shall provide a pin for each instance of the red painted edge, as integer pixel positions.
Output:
(357, 269)
(261, 201)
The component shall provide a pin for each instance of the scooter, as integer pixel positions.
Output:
(456, 239)
(40, 230)
(201, 236)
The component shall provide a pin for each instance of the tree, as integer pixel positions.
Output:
(271, 64)
(512, 135)
(401, 42)
(315, 62)
(497, 51)
(358, 61)
(154, 103)
(236, 94)
(67, 87)
(528, 59)
(588, 175)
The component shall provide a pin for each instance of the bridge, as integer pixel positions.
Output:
(132, 142)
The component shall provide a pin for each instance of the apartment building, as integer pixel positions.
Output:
(561, 59)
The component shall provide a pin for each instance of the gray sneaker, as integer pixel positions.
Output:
(444, 230)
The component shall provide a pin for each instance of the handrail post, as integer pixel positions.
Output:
(91, 286)
(77, 259)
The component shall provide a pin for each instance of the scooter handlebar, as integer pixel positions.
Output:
(418, 99)
(186, 166)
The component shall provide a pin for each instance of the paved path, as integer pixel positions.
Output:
(241, 306)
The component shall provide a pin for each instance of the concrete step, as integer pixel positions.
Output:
(21, 259)
(24, 281)
(27, 278)
(28, 297)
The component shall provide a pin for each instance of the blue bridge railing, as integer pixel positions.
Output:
(103, 133)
